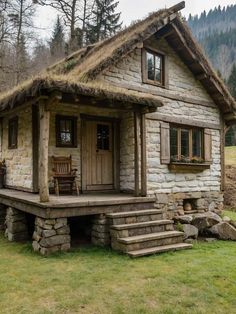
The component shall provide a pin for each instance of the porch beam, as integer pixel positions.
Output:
(44, 121)
(143, 155)
(136, 152)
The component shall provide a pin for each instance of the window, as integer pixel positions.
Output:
(66, 131)
(186, 144)
(13, 133)
(153, 68)
(103, 136)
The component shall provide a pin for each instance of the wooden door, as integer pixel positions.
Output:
(97, 164)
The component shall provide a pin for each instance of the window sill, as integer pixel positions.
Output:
(188, 167)
(153, 83)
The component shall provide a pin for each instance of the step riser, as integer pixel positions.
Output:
(140, 231)
(125, 247)
(135, 219)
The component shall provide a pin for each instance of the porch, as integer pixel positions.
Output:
(73, 206)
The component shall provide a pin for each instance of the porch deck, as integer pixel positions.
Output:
(71, 206)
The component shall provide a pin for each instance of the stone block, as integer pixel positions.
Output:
(48, 233)
(54, 241)
(63, 230)
(65, 247)
(35, 246)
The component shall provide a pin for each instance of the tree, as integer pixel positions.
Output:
(21, 13)
(57, 42)
(232, 81)
(75, 14)
(105, 21)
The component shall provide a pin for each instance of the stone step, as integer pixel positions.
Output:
(135, 216)
(129, 230)
(147, 240)
(160, 249)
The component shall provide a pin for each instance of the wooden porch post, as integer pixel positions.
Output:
(44, 118)
(136, 153)
(143, 156)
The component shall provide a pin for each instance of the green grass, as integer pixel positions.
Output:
(230, 155)
(231, 214)
(94, 280)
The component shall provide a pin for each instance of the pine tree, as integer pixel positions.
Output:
(232, 81)
(57, 42)
(105, 22)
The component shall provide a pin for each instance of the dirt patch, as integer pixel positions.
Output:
(230, 186)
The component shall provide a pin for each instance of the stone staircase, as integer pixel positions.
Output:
(144, 232)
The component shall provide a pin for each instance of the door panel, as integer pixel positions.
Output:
(98, 155)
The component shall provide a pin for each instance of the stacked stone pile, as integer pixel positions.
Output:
(206, 224)
(16, 225)
(101, 231)
(51, 235)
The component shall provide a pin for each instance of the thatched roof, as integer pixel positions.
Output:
(78, 72)
(47, 85)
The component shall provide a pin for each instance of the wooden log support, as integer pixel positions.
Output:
(222, 153)
(136, 152)
(143, 156)
(44, 120)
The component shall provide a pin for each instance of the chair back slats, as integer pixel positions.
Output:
(62, 165)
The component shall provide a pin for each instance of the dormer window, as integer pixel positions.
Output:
(153, 68)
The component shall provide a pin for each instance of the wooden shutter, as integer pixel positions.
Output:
(207, 146)
(165, 143)
(166, 71)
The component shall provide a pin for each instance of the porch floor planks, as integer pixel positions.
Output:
(70, 205)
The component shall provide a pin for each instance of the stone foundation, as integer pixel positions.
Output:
(51, 235)
(2, 217)
(173, 204)
(101, 231)
(16, 225)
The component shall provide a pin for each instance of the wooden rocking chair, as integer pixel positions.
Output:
(64, 174)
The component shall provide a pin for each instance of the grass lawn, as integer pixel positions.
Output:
(230, 155)
(230, 214)
(94, 280)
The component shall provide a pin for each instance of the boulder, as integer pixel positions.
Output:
(226, 219)
(205, 221)
(186, 219)
(224, 231)
(190, 231)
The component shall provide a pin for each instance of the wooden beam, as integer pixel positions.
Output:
(35, 147)
(143, 156)
(230, 117)
(184, 121)
(44, 122)
(167, 94)
(222, 153)
(136, 153)
(177, 7)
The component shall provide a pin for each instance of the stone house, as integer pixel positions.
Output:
(143, 115)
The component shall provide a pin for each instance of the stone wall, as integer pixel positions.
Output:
(51, 235)
(16, 225)
(181, 80)
(127, 153)
(19, 160)
(175, 187)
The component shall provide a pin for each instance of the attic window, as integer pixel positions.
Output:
(153, 68)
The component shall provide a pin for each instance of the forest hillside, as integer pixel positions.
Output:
(216, 32)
